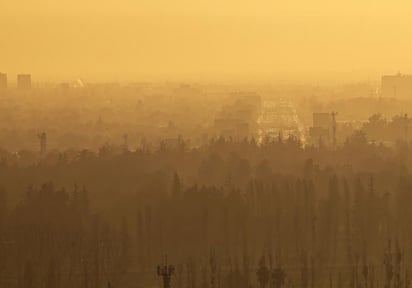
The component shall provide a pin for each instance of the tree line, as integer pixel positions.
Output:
(229, 214)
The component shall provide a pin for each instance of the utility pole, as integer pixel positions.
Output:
(166, 272)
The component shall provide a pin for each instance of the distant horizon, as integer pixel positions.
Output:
(286, 79)
(185, 40)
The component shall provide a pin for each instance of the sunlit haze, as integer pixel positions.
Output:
(131, 40)
(205, 144)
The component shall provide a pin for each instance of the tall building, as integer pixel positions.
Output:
(24, 81)
(322, 129)
(322, 120)
(43, 143)
(3, 80)
(396, 86)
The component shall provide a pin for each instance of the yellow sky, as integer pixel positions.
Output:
(205, 39)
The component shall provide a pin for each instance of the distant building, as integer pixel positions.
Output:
(24, 81)
(43, 143)
(321, 131)
(230, 126)
(3, 80)
(322, 120)
(238, 119)
(396, 86)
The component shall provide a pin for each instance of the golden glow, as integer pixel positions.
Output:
(205, 39)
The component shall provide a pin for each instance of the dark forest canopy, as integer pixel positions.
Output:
(309, 216)
(221, 160)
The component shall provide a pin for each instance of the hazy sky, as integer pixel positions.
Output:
(205, 39)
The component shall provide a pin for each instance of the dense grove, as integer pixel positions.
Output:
(226, 214)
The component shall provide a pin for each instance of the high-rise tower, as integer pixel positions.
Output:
(3, 80)
(24, 81)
